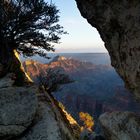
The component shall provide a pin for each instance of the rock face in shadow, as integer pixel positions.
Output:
(17, 108)
(118, 23)
(27, 113)
(121, 126)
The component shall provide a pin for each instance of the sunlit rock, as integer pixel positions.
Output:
(59, 58)
(50, 122)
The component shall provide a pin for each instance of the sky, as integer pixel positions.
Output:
(82, 37)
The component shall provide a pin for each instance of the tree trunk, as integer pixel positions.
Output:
(10, 63)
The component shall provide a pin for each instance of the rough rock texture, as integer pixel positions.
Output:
(17, 108)
(118, 22)
(27, 113)
(6, 81)
(50, 123)
(121, 126)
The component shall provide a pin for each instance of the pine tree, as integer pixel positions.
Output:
(29, 27)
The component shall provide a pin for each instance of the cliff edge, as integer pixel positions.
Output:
(27, 113)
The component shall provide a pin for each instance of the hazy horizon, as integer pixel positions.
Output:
(78, 52)
(97, 58)
(82, 37)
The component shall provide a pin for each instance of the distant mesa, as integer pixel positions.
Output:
(30, 62)
(67, 65)
(58, 58)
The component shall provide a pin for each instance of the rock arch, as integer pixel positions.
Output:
(118, 23)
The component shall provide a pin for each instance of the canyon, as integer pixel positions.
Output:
(95, 89)
(118, 25)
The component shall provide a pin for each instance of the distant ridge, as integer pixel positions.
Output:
(58, 58)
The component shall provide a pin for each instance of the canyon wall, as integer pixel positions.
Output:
(118, 23)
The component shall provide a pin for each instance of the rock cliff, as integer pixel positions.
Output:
(118, 23)
(17, 108)
(27, 113)
(119, 27)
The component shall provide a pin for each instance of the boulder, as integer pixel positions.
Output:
(29, 114)
(45, 126)
(49, 123)
(17, 109)
(121, 126)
